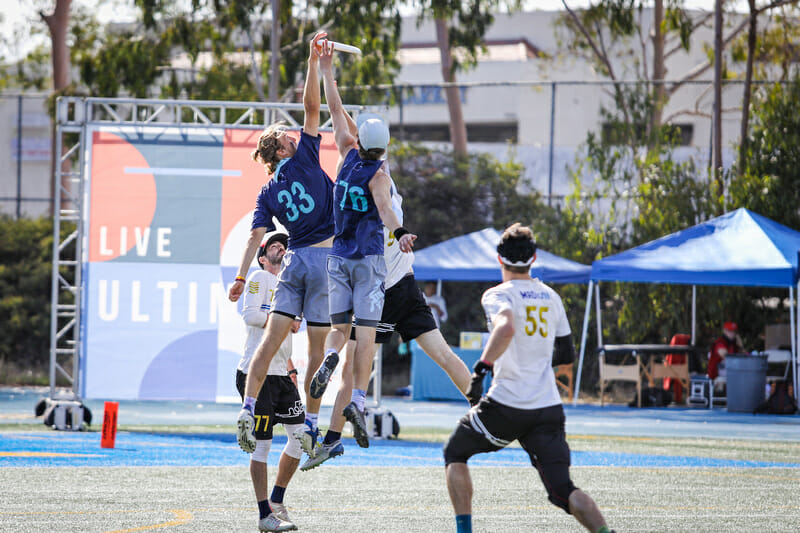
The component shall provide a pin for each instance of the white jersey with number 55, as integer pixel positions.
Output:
(523, 375)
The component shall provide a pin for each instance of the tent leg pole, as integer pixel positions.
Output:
(584, 331)
(694, 312)
(794, 330)
(599, 318)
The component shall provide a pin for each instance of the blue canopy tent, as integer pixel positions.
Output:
(739, 248)
(473, 257)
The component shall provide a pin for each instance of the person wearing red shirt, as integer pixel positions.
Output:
(729, 342)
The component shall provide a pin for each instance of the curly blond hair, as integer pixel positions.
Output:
(268, 146)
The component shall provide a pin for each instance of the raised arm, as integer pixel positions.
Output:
(345, 140)
(380, 188)
(351, 125)
(311, 94)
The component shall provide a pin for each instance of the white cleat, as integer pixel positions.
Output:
(308, 438)
(324, 452)
(279, 510)
(273, 523)
(245, 432)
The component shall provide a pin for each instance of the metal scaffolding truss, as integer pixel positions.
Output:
(74, 118)
(78, 112)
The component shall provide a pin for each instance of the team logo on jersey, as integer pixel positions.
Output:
(252, 287)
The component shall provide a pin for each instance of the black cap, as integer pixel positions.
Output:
(274, 236)
(517, 251)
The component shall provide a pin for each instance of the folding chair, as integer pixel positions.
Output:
(673, 371)
(566, 372)
(620, 373)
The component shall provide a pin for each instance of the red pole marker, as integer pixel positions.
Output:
(109, 425)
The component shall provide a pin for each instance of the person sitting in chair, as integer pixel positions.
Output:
(729, 342)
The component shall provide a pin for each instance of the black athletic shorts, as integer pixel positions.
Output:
(404, 311)
(491, 426)
(278, 402)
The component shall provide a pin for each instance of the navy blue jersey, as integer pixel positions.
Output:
(300, 196)
(359, 229)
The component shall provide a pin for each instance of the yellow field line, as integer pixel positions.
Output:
(47, 454)
(181, 517)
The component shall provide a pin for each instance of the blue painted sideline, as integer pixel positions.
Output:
(66, 449)
(17, 406)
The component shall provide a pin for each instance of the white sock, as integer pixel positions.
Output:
(312, 418)
(359, 397)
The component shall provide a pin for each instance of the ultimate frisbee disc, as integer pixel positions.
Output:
(342, 47)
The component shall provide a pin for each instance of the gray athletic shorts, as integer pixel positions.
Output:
(303, 286)
(356, 286)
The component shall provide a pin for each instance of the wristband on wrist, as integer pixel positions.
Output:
(293, 372)
(399, 232)
(239, 278)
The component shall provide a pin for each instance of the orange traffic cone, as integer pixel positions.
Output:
(109, 425)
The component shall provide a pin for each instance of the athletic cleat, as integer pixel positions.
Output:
(272, 523)
(245, 433)
(323, 375)
(308, 438)
(324, 452)
(356, 417)
(279, 510)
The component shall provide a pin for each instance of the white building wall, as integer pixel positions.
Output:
(577, 106)
(32, 177)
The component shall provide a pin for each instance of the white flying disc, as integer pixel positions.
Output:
(341, 47)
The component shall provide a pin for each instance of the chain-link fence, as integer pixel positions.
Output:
(26, 139)
(542, 125)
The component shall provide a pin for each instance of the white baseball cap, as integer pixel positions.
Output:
(364, 116)
(373, 133)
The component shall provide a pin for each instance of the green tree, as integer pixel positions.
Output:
(224, 47)
(769, 183)
(460, 25)
(445, 195)
(26, 247)
(626, 39)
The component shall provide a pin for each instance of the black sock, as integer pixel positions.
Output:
(264, 509)
(332, 436)
(277, 494)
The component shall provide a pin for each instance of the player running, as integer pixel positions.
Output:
(300, 195)
(527, 322)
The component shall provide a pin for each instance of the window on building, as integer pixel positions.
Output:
(613, 133)
(483, 133)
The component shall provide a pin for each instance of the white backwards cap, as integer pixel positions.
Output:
(372, 132)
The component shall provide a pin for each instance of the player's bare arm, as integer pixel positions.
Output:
(345, 140)
(500, 337)
(499, 340)
(311, 93)
(253, 242)
(351, 124)
(380, 188)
